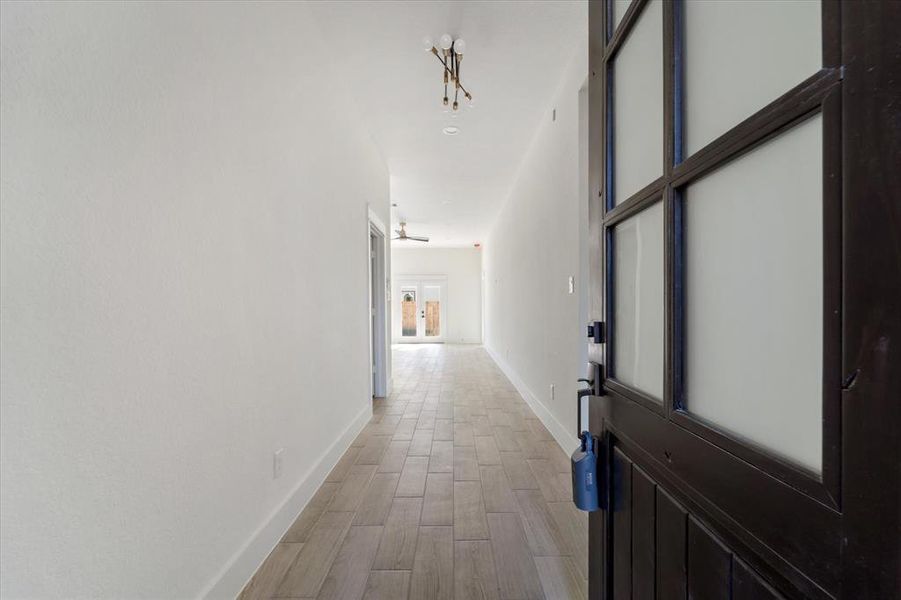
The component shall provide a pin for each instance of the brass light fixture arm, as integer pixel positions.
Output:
(451, 74)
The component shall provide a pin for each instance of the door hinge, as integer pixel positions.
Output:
(597, 332)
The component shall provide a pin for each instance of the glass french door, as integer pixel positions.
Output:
(420, 309)
(739, 261)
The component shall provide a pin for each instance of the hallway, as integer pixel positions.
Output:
(453, 490)
(217, 217)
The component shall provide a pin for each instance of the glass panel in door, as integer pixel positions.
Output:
(409, 317)
(431, 311)
(638, 106)
(753, 296)
(638, 305)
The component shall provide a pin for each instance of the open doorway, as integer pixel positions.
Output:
(378, 330)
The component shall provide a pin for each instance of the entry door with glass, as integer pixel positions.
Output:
(420, 310)
(746, 270)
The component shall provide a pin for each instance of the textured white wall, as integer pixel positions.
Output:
(463, 267)
(175, 305)
(533, 326)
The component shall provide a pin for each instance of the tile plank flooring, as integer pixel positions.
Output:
(454, 490)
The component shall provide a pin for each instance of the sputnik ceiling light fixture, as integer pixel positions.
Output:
(450, 56)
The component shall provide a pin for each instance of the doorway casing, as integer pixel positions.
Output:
(378, 290)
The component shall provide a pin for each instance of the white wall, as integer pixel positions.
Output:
(175, 303)
(463, 267)
(534, 327)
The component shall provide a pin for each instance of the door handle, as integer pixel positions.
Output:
(594, 388)
(581, 393)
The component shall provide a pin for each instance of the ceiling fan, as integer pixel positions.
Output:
(402, 234)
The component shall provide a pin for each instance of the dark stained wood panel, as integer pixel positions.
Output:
(871, 323)
(660, 551)
(622, 527)
(672, 521)
(709, 565)
(747, 585)
(643, 535)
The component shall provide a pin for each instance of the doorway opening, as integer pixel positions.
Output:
(378, 329)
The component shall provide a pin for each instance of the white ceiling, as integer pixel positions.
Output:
(450, 188)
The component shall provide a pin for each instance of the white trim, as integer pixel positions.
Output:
(380, 338)
(378, 334)
(563, 436)
(229, 582)
(375, 220)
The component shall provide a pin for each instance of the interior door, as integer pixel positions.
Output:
(745, 264)
(421, 313)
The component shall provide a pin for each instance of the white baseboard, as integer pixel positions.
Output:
(564, 437)
(238, 571)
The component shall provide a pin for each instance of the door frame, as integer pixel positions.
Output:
(861, 486)
(378, 290)
(419, 280)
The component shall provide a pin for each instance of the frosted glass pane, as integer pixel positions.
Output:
(740, 56)
(619, 10)
(638, 105)
(638, 301)
(754, 294)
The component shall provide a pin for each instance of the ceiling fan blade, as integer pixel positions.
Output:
(416, 238)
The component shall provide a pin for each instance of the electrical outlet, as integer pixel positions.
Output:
(552, 391)
(572, 284)
(277, 460)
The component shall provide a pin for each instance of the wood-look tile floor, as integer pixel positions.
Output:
(455, 489)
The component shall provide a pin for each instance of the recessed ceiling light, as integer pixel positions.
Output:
(451, 130)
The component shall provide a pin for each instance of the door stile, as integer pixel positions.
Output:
(871, 324)
(599, 548)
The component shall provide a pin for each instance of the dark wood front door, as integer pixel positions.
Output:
(746, 259)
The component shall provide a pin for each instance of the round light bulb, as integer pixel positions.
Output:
(446, 41)
(459, 46)
(427, 43)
